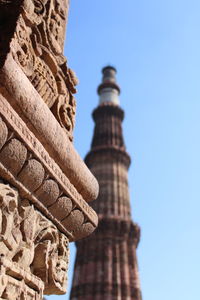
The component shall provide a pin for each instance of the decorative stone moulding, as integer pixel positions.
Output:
(45, 185)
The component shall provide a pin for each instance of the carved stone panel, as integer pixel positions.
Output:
(33, 253)
(36, 39)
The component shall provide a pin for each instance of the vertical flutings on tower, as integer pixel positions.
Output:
(106, 263)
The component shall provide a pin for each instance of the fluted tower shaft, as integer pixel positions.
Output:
(106, 263)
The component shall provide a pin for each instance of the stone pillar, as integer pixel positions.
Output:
(44, 184)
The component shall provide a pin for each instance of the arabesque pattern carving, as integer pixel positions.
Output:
(31, 249)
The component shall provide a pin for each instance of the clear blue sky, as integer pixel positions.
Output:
(155, 46)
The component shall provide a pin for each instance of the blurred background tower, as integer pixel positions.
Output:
(106, 262)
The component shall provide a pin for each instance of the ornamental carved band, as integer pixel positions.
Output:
(45, 186)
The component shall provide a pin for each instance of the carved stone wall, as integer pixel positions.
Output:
(44, 184)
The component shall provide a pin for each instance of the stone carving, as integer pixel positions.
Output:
(45, 183)
(17, 283)
(47, 140)
(31, 244)
(37, 46)
(10, 233)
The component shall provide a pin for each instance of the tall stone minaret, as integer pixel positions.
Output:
(106, 263)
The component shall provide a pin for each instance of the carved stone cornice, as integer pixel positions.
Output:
(27, 165)
(22, 96)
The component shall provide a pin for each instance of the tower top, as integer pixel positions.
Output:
(109, 90)
(108, 69)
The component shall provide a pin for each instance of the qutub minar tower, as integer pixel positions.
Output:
(106, 263)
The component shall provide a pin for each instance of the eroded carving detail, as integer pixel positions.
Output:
(37, 46)
(31, 249)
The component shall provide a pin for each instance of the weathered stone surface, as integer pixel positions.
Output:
(3, 133)
(61, 208)
(13, 155)
(35, 79)
(17, 283)
(75, 220)
(39, 119)
(32, 174)
(40, 178)
(48, 192)
(45, 184)
(33, 248)
(36, 43)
